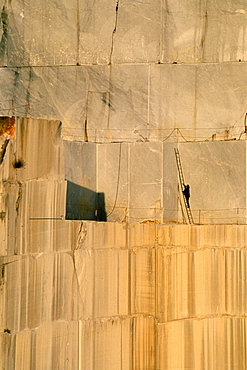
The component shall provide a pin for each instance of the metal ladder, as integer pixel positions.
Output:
(181, 179)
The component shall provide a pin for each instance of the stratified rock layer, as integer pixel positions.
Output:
(140, 296)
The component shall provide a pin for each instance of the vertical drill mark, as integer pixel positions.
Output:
(85, 122)
(204, 35)
(3, 150)
(19, 197)
(3, 42)
(114, 32)
(110, 62)
(205, 29)
(28, 93)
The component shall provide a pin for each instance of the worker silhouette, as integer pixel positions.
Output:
(186, 193)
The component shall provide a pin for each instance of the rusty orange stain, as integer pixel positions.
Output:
(7, 126)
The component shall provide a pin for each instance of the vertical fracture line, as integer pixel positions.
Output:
(27, 109)
(205, 30)
(118, 180)
(109, 98)
(114, 32)
(110, 61)
(85, 122)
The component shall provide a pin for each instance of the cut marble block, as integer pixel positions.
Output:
(145, 181)
(138, 42)
(81, 163)
(129, 176)
(113, 175)
(27, 205)
(217, 342)
(41, 34)
(34, 150)
(118, 342)
(51, 345)
(103, 279)
(132, 102)
(143, 280)
(51, 235)
(39, 289)
(216, 172)
(222, 287)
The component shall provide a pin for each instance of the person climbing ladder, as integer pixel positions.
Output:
(186, 193)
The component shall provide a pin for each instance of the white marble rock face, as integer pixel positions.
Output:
(130, 80)
(96, 32)
(98, 62)
(216, 172)
(131, 102)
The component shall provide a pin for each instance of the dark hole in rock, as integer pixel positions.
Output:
(19, 163)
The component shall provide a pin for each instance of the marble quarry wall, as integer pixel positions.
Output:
(123, 70)
(130, 81)
(80, 294)
(94, 295)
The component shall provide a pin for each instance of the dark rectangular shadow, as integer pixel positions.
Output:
(84, 204)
